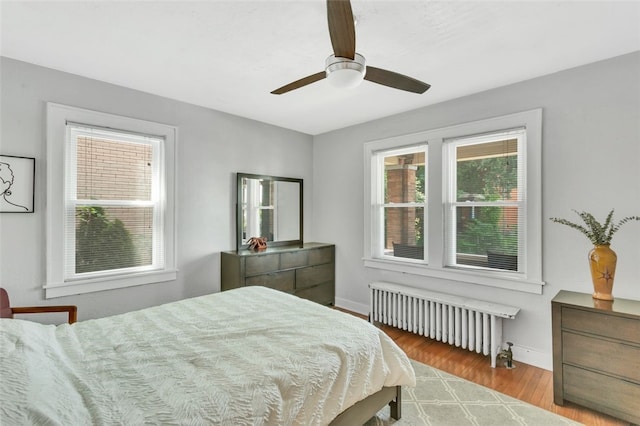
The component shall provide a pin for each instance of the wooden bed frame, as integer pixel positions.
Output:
(357, 414)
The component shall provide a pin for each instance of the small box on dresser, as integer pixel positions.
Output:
(306, 270)
(596, 354)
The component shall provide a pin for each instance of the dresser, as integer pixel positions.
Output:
(596, 354)
(308, 271)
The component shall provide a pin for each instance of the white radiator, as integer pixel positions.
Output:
(467, 323)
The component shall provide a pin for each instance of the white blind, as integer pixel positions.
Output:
(113, 202)
(486, 201)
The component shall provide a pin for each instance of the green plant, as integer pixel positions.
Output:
(101, 244)
(480, 237)
(598, 233)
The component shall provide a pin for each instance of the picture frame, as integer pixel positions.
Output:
(17, 184)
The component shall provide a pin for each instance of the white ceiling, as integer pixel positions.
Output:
(228, 55)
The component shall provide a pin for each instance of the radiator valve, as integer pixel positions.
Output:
(507, 355)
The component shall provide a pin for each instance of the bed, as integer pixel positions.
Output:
(250, 356)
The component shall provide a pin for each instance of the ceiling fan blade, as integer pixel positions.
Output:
(395, 80)
(300, 83)
(341, 28)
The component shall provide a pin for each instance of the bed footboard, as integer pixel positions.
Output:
(363, 410)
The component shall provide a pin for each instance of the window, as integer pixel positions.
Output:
(258, 209)
(460, 203)
(110, 220)
(485, 201)
(401, 202)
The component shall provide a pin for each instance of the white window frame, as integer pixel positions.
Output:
(530, 280)
(379, 206)
(58, 281)
(450, 185)
(252, 205)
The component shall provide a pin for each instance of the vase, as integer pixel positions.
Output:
(602, 261)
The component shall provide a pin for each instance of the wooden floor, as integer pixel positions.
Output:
(524, 382)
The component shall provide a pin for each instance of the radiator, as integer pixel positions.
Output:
(471, 324)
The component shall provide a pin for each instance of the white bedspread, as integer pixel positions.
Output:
(251, 356)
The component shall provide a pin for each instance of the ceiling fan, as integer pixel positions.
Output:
(346, 68)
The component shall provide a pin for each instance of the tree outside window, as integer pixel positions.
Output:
(486, 209)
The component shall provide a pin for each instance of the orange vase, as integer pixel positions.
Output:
(602, 261)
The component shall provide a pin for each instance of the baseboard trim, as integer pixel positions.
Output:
(358, 308)
(532, 357)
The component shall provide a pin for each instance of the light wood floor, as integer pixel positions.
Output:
(524, 382)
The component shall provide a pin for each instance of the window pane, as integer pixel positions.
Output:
(487, 171)
(405, 178)
(258, 208)
(266, 223)
(113, 170)
(113, 237)
(404, 232)
(487, 237)
(267, 196)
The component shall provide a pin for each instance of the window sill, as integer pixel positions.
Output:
(107, 283)
(505, 280)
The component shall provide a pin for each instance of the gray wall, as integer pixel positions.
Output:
(212, 147)
(590, 161)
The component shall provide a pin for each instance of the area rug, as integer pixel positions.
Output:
(440, 398)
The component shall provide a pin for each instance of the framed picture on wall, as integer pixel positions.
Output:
(17, 180)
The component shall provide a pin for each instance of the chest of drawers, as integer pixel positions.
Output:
(596, 354)
(308, 271)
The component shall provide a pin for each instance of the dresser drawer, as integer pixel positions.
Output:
(294, 259)
(283, 281)
(609, 357)
(261, 264)
(307, 277)
(323, 293)
(289, 268)
(611, 326)
(320, 256)
(602, 393)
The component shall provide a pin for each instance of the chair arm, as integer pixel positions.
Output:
(71, 309)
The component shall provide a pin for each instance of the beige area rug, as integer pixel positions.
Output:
(442, 399)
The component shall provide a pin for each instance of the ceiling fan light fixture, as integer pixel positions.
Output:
(345, 73)
(340, 69)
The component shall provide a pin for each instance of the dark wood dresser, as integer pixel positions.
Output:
(308, 271)
(596, 354)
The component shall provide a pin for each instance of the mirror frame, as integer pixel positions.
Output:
(240, 216)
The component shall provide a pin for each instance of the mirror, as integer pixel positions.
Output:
(269, 206)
